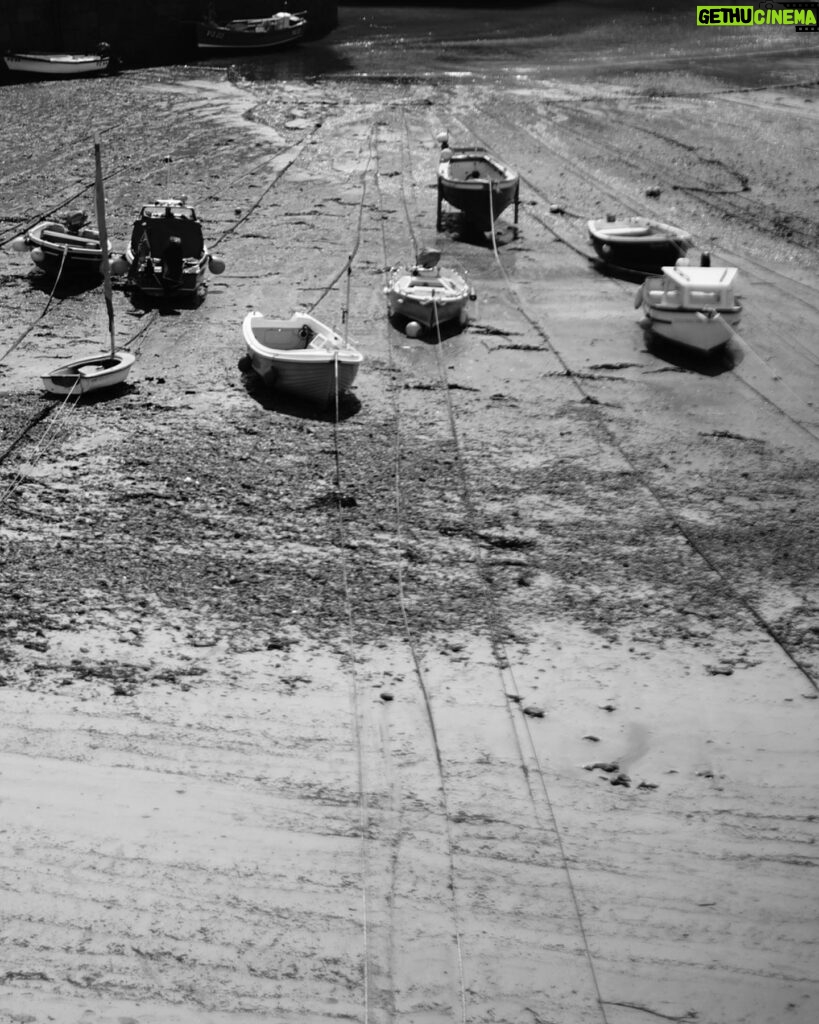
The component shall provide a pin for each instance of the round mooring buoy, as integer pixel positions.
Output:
(413, 329)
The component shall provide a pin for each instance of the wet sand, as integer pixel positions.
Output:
(492, 701)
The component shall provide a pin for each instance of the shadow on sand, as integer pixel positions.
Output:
(291, 405)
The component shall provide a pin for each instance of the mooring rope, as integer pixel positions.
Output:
(34, 323)
(63, 412)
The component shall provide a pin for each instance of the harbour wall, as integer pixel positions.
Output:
(140, 34)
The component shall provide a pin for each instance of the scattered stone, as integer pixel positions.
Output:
(654, 192)
(719, 670)
(386, 695)
(604, 766)
(607, 707)
(592, 739)
(515, 697)
(648, 785)
(533, 711)
(621, 779)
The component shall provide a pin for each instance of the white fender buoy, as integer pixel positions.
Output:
(19, 244)
(413, 329)
(216, 265)
(37, 254)
(119, 265)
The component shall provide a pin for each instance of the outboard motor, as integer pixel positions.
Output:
(172, 261)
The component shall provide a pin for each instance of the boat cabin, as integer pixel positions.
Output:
(159, 225)
(695, 288)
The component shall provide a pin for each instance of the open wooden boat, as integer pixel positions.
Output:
(476, 183)
(426, 293)
(102, 370)
(68, 246)
(300, 356)
(251, 34)
(638, 244)
(692, 306)
(167, 255)
(59, 65)
(94, 373)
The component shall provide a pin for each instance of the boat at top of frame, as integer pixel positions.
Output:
(251, 34)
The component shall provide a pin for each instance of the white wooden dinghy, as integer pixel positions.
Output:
(300, 356)
(426, 293)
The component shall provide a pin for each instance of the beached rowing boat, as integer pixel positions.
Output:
(300, 356)
(638, 244)
(476, 183)
(426, 293)
(59, 65)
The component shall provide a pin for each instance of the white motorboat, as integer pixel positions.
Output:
(426, 293)
(692, 306)
(300, 356)
(167, 255)
(251, 34)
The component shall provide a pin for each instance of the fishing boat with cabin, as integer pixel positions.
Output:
(250, 34)
(426, 294)
(66, 247)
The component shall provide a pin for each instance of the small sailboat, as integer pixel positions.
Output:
(103, 369)
(426, 294)
(692, 306)
(300, 356)
(476, 183)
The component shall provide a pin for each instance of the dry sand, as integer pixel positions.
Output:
(515, 721)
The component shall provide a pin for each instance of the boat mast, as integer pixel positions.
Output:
(103, 232)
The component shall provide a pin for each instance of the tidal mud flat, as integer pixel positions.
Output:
(493, 698)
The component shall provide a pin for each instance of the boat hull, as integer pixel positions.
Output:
(49, 241)
(85, 376)
(704, 334)
(314, 375)
(56, 65)
(411, 297)
(637, 244)
(249, 36)
(477, 185)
